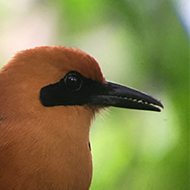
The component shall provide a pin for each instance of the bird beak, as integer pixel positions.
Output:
(122, 96)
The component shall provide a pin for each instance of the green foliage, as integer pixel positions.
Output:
(141, 44)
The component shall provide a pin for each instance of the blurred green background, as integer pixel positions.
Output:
(142, 44)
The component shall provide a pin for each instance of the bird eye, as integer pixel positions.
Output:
(73, 81)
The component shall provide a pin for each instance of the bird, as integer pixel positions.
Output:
(49, 96)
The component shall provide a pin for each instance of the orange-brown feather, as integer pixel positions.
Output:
(44, 147)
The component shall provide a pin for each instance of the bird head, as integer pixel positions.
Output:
(60, 76)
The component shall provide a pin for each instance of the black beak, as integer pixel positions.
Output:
(117, 95)
(81, 91)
